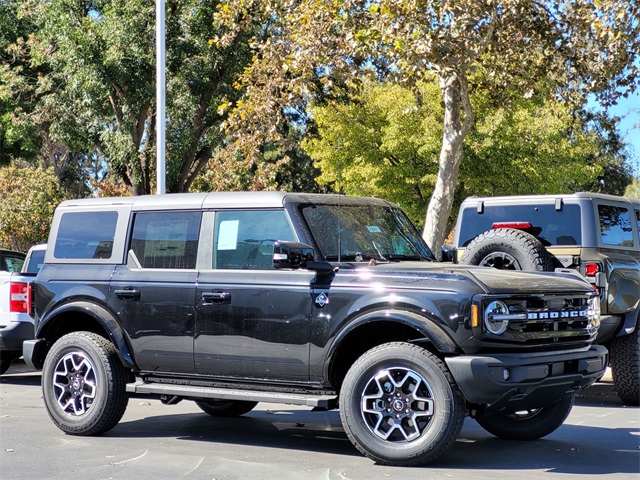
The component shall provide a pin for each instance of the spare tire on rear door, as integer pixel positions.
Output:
(508, 249)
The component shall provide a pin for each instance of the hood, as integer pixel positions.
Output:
(490, 279)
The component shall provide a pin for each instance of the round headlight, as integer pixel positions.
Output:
(494, 317)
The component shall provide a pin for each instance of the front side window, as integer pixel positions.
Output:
(166, 239)
(244, 238)
(615, 226)
(85, 235)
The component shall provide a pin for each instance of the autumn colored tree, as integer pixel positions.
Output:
(579, 47)
(28, 197)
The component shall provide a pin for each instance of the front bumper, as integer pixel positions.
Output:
(14, 334)
(506, 383)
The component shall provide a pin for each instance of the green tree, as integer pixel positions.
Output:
(97, 100)
(28, 198)
(633, 190)
(578, 47)
(18, 138)
(385, 142)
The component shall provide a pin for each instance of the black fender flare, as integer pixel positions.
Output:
(106, 320)
(432, 332)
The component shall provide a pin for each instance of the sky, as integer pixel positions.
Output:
(628, 109)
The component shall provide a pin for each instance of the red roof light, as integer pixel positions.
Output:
(516, 225)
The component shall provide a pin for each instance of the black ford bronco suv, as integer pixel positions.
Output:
(229, 299)
(591, 233)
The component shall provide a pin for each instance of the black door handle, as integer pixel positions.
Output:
(127, 293)
(216, 297)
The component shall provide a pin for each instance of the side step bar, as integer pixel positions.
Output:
(187, 391)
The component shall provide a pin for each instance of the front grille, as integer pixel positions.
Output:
(545, 319)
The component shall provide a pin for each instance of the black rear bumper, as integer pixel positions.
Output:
(510, 382)
(13, 335)
(33, 352)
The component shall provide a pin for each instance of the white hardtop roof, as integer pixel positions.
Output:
(550, 198)
(212, 200)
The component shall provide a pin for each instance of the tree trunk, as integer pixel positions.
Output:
(457, 122)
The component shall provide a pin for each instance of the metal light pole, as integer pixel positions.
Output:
(160, 99)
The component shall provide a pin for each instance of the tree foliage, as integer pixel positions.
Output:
(579, 47)
(28, 197)
(96, 98)
(18, 139)
(633, 190)
(385, 142)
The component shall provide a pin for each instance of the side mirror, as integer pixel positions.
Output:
(298, 255)
(291, 255)
(448, 253)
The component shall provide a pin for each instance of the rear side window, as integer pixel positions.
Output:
(11, 263)
(615, 226)
(166, 239)
(85, 235)
(36, 260)
(550, 226)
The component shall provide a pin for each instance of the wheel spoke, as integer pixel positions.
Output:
(397, 404)
(501, 261)
(74, 383)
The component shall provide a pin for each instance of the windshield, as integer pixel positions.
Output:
(363, 232)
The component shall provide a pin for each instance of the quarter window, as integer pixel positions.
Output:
(615, 226)
(166, 239)
(244, 238)
(85, 235)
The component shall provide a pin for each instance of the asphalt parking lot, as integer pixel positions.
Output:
(600, 438)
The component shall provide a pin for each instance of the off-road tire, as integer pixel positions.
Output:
(83, 384)
(624, 358)
(508, 249)
(226, 408)
(376, 407)
(528, 425)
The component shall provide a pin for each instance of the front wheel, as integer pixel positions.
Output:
(226, 408)
(399, 405)
(528, 424)
(84, 384)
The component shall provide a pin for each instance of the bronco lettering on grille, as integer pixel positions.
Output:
(556, 314)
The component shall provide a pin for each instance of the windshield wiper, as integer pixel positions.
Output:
(359, 257)
(407, 257)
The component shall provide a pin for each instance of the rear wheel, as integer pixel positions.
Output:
(226, 408)
(508, 249)
(399, 405)
(625, 366)
(83, 384)
(528, 424)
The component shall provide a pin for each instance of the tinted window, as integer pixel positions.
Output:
(36, 260)
(86, 235)
(550, 226)
(244, 238)
(361, 232)
(615, 226)
(11, 263)
(166, 239)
